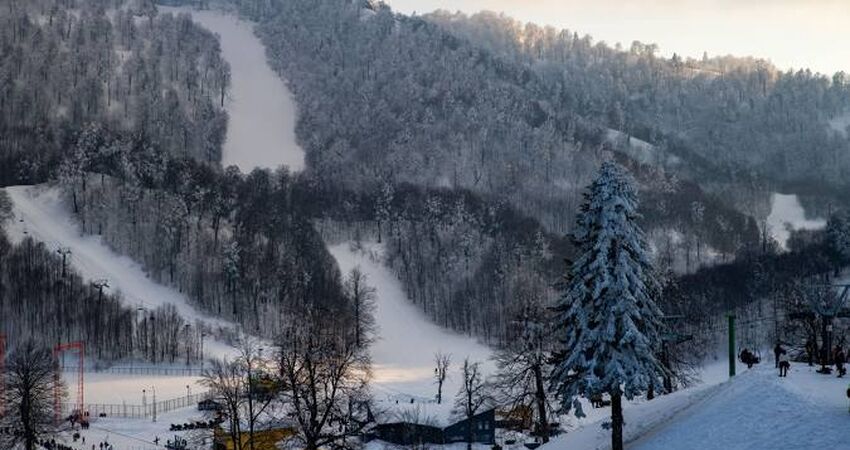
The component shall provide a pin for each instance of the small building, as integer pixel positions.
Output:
(481, 426)
(404, 433)
(483, 430)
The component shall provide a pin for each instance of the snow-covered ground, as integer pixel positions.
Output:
(261, 131)
(403, 356)
(786, 212)
(759, 410)
(139, 434)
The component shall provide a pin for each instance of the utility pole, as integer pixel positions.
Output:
(731, 318)
(65, 252)
(99, 285)
(153, 388)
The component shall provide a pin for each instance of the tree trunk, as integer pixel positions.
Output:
(540, 397)
(616, 421)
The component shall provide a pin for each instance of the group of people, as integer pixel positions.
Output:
(839, 358)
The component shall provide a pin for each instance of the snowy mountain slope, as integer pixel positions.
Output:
(403, 356)
(261, 130)
(759, 410)
(41, 214)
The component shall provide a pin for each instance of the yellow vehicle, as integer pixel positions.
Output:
(263, 440)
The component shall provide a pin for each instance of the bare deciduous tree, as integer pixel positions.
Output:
(324, 384)
(471, 397)
(30, 385)
(442, 361)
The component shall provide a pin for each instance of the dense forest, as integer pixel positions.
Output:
(735, 115)
(65, 65)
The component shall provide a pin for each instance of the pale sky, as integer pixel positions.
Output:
(811, 34)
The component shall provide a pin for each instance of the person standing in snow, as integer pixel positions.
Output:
(777, 351)
(784, 364)
(840, 359)
(810, 352)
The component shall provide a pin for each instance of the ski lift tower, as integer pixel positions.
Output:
(826, 301)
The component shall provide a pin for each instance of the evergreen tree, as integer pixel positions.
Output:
(608, 313)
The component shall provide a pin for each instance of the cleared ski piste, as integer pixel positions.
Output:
(403, 355)
(261, 129)
(786, 211)
(759, 410)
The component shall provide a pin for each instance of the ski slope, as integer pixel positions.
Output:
(403, 356)
(758, 410)
(261, 129)
(786, 213)
(41, 214)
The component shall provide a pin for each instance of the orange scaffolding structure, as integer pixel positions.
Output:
(80, 348)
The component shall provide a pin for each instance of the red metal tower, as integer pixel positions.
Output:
(80, 348)
(2, 374)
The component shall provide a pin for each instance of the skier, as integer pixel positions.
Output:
(784, 364)
(810, 352)
(840, 359)
(777, 351)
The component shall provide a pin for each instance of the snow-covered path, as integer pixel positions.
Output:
(41, 214)
(261, 131)
(403, 356)
(759, 410)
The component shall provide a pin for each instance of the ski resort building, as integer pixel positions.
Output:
(482, 428)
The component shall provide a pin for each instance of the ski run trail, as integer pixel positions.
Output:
(261, 127)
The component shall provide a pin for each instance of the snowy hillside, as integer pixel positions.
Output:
(41, 214)
(403, 356)
(261, 130)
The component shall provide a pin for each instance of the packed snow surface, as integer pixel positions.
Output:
(759, 410)
(787, 213)
(261, 130)
(403, 356)
(41, 214)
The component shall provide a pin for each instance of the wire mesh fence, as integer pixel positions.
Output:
(144, 411)
(161, 371)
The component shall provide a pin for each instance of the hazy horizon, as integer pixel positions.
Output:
(791, 33)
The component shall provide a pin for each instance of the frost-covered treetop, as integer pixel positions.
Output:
(608, 311)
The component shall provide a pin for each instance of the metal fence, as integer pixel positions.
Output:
(138, 411)
(162, 371)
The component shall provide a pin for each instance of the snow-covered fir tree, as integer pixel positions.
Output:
(609, 319)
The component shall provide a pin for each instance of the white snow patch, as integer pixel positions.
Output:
(839, 124)
(641, 151)
(261, 131)
(403, 356)
(787, 214)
